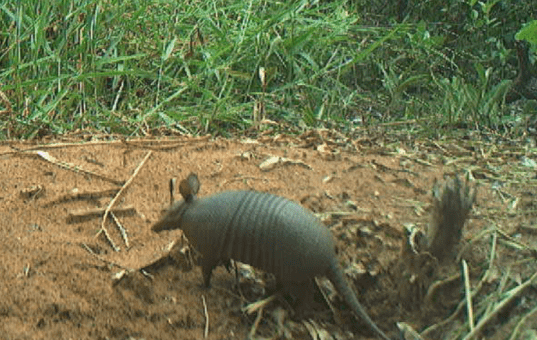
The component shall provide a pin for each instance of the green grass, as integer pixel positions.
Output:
(193, 66)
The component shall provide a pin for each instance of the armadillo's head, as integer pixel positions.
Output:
(188, 188)
(172, 218)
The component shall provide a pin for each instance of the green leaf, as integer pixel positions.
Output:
(528, 33)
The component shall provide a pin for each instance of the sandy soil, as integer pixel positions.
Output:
(61, 278)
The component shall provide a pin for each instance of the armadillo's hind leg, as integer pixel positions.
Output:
(301, 297)
(207, 267)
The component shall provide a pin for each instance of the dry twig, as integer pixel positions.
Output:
(258, 318)
(476, 290)
(407, 332)
(327, 300)
(206, 332)
(80, 215)
(49, 158)
(121, 229)
(468, 294)
(254, 306)
(142, 143)
(114, 200)
(4, 99)
(512, 295)
(436, 286)
(522, 321)
(92, 195)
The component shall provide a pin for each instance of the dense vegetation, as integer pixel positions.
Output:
(132, 67)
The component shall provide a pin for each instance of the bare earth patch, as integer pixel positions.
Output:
(59, 273)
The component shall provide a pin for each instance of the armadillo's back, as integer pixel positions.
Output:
(266, 231)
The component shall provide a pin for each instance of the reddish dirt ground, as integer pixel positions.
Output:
(60, 275)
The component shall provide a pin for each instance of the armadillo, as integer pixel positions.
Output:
(266, 231)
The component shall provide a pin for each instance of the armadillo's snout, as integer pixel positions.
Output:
(171, 218)
(158, 227)
(165, 223)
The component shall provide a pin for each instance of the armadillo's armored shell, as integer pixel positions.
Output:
(266, 231)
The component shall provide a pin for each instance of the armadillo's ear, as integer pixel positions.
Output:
(189, 187)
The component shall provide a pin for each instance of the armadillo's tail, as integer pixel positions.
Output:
(336, 276)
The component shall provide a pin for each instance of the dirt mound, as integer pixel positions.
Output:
(60, 274)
